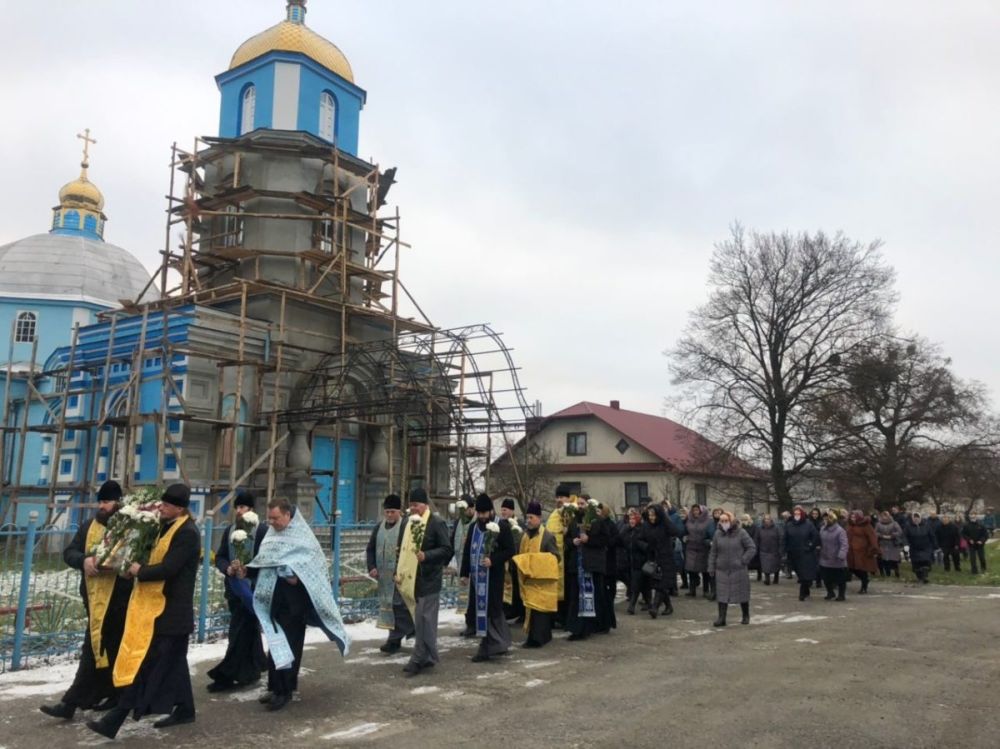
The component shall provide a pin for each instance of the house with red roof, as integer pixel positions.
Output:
(623, 456)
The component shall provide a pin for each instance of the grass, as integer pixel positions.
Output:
(939, 577)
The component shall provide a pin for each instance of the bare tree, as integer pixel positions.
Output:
(903, 420)
(526, 472)
(783, 311)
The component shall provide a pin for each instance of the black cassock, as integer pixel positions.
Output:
(594, 553)
(291, 608)
(497, 639)
(91, 684)
(244, 659)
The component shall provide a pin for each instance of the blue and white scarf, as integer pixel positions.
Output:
(295, 551)
(585, 581)
(482, 579)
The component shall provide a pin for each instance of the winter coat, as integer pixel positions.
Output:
(438, 551)
(631, 548)
(948, 537)
(731, 552)
(801, 545)
(503, 552)
(975, 532)
(833, 547)
(594, 551)
(659, 539)
(770, 548)
(862, 546)
(920, 537)
(752, 532)
(698, 539)
(890, 540)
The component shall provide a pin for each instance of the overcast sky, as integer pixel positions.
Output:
(565, 167)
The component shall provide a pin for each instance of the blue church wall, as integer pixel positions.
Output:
(232, 85)
(349, 99)
(53, 324)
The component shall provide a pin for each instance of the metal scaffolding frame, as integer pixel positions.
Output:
(430, 388)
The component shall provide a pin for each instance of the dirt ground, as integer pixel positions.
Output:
(906, 666)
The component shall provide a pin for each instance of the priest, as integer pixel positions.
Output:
(513, 606)
(291, 591)
(381, 555)
(557, 528)
(537, 564)
(105, 599)
(466, 510)
(152, 667)
(244, 659)
(489, 546)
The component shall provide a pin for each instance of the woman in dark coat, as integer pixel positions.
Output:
(751, 528)
(862, 548)
(801, 543)
(920, 537)
(698, 541)
(890, 544)
(770, 549)
(732, 551)
(631, 542)
(816, 518)
(659, 534)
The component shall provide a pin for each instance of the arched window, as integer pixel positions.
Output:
(247, 107)
(327, 115)
(55, 219)
(25, 327)
(71, 220)
(90, 223)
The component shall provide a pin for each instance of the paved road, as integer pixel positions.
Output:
(907, 667)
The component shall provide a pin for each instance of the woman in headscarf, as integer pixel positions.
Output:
(633, 547)
(697, 540)
(833, 556)
(732, 551)
(659, 534)
(770, 549)
(801, 545)
(920, 537)
(816, 518)
(862, 548)
(890, 544)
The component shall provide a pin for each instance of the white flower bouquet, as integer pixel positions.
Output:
(490, 542)
(242, 536)
(417, 531)
(131, 532)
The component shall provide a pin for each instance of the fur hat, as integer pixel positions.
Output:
(177, 495)
(563, 491)
(508, 503)
(484, 503)
(418, 495)
(392, 502)
(110, 491)
(534, 508)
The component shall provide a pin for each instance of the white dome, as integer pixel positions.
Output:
(58, 266)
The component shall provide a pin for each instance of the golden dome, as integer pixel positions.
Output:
(292, 35)
(81, 193)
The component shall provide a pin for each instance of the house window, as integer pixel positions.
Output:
(622, 446)
(748, 499)
(325, 236)
(576, 443)
(24, 328)
(248, 105)
(701, 494)
(327, 115)
(66, 467)
(634, 492)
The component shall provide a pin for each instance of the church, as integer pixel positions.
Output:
(277, 348)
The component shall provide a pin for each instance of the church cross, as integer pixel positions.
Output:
(87, 140)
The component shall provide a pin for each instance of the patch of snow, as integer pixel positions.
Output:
(700, 632)
(535, 683)
(362, 729)
(541, 664)
(246, 695)
(802, 618)
(498, 674)
(807, 641)
(425, 690)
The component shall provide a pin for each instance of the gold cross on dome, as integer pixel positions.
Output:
(87, 140)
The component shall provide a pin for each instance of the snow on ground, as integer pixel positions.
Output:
(55, 678)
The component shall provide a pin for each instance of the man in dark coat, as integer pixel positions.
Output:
(658, 536)
(585, 565)
(949, 541)
(435, 552)
(922, 543)
(154, 671)
(976, 535)
(801, 544)
(483, 570)
(244, 659)
(92, 687)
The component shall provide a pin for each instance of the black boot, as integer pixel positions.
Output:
(776, 576)
(655, 608)
(692, 591)
(667, 608)
(711, 586)
(706, 590)
(745, 608)
(59, 710)
(721, 621)
(632, 601)
(109, 725)
(804, 589)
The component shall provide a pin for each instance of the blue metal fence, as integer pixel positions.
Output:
(42, 614)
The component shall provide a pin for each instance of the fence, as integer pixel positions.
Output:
(42, 614)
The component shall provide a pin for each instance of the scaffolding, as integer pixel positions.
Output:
(379, 364)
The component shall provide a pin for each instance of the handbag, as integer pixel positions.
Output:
(652, 569)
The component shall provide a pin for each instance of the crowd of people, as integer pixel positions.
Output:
(555, 570)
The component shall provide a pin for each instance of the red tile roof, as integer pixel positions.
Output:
(682, 449)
